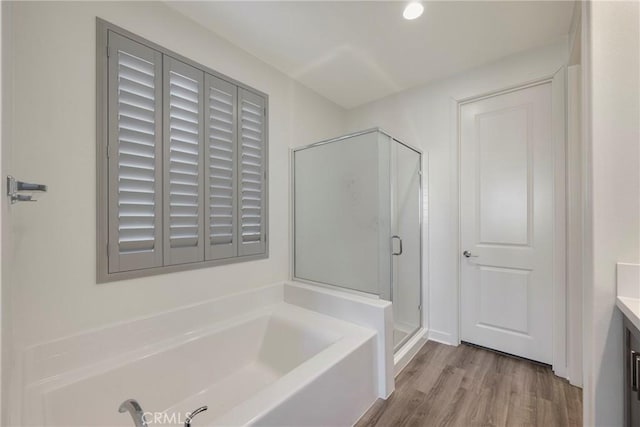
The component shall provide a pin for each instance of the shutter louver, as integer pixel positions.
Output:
(182, 160)
(251, 173)
(136, 154)
(221, 159)
(183, 163)
(134, 160)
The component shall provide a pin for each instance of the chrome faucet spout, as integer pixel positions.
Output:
(135, 410)
(187, 423)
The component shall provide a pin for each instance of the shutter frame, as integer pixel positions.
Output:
(120, 260)
(214, 251)
(245, 141)
(174, 254)
(108, 258)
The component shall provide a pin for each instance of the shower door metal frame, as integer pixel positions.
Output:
(292, 227)
(394, 218)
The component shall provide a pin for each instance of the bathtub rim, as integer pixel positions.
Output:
(34, 368)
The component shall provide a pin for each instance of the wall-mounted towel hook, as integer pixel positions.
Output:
(14, 187)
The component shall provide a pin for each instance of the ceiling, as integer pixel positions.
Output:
(356, 52)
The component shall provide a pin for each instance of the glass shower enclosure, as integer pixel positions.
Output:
(357, 207)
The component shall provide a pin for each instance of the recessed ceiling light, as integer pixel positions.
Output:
(413, 10)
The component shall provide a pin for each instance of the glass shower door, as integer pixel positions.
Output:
(406, 270)
(342, 214)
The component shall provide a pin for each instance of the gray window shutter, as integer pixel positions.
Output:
(183, 163)
(134, 183)
(251, 173)
(221, 140)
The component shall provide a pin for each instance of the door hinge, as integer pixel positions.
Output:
(108, 51)
(107, 250)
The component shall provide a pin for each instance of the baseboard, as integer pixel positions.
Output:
(442, 337)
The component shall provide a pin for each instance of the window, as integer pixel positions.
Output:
(182, 154)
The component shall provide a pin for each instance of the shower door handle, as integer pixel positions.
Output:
(400, 240)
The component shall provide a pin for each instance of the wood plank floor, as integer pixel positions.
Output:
(469, 386)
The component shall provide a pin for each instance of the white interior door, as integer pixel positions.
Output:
(506, 204)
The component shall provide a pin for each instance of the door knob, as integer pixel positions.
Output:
(468, 254)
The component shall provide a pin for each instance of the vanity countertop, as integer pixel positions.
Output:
(630, 307)
(628, 283)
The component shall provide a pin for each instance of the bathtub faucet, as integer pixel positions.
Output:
(187, 423)
(135, 410)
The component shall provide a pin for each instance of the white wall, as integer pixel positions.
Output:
(1, 210)
(575, 207)
(55, 293)
(424, 117)
(5, 232)
(611, 66)
(575, 204)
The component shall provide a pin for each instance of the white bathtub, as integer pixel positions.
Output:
(276, 364)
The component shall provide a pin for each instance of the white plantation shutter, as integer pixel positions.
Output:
(134, 138)
(183, 163)
(251, 173)
(182, 155)
(220, 160)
